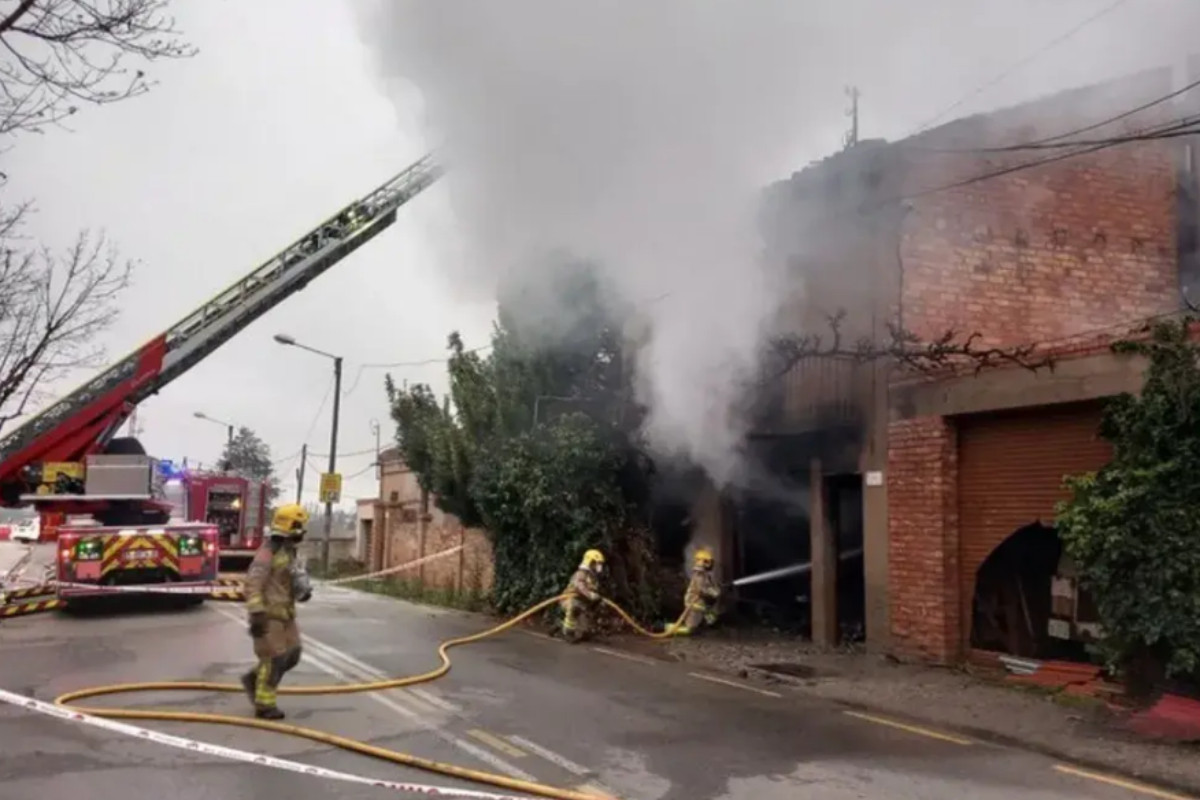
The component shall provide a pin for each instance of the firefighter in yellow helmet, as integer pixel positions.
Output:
(701, 597)
(579, 608)
(274, 584)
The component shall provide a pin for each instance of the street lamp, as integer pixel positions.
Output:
(228, 427)
(284, 339)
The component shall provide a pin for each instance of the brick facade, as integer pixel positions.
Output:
(923, 537)
(1054, 255)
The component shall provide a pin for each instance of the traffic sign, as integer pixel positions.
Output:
(331, 487)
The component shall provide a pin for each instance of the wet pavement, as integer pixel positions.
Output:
(522, 705)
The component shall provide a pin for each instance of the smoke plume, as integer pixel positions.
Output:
(639, 136)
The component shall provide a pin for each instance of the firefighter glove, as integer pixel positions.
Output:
(258, 624)
(304, 598)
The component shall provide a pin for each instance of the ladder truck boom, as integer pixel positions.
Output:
(83, 422)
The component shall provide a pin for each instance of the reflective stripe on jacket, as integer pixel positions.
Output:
(270, 585)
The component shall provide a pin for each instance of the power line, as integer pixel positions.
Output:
(1111, 7)
(1117, 118)
(368, 452)
(399, 364)
(1163, 130)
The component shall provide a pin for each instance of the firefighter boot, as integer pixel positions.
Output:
(268, 712)
(250, 684)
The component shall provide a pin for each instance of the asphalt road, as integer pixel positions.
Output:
(519, 704)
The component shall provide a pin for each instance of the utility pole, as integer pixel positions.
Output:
(851, 137)
(333, 432)
(300, 472)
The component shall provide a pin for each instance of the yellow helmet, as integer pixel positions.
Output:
(703, 558)
(593, 559)
(289, 520)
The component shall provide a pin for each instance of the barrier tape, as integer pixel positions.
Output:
(153, 588)
(221, 751)
(392, 570)
(32, 607)
(32, 591)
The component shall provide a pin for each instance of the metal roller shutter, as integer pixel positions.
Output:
(1010, 471)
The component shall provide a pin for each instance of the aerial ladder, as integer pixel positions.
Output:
(46, 460)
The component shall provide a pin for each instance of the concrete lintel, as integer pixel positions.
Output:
(1088, 378)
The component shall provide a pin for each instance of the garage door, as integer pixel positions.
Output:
(1010, 471)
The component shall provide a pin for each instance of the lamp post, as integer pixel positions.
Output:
(228, 427)
(288, 341)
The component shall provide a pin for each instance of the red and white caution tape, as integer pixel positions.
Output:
(220, 751)
(152, 588)
(392, 570)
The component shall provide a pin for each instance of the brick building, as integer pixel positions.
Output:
(404, 525)
(1066, 255)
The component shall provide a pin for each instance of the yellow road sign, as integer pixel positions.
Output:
(331, 487)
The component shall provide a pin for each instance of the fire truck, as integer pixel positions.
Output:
(236, 505)
(67, 460)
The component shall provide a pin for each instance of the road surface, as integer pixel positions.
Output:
(522, 705)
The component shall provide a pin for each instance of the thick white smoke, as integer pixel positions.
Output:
(639, 135)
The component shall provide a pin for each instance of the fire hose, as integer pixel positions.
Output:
(345, 743)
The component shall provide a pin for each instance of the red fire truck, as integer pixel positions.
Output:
(237, 506)
(67, 460)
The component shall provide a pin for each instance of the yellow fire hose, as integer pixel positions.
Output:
(345, 743)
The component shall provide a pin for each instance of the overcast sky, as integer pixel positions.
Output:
(286, 114)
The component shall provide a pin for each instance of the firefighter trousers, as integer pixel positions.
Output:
(278, 650)
(577, 619)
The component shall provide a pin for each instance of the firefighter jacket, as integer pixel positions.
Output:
(270, 581)
(585, 584)
(702, 591)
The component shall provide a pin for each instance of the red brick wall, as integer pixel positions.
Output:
(1050, 255)
(923, 538)
(1047, 252)
(469, 571)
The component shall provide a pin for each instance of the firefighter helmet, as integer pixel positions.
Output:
(703, 558)
(289, 520)
(593, 559)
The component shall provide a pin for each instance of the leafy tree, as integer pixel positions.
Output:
(1134, 527)
(537, 441)
(249, 456)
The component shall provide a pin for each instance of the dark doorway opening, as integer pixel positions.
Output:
(1012, 605)
(845, 493)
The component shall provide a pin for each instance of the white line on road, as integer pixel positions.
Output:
(551, 756)
(246, 756)
(734, 684)
(388, 702)
(340, 655)
(626, 656)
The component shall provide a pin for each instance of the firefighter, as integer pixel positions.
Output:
(274, 583)
(701, 596)
(580, 606)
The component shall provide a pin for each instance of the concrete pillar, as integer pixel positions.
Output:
(824, 561)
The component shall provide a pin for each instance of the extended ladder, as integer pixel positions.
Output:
(198, 334)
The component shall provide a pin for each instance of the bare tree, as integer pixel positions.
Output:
(56, 55)
(53, 306)
(949, 352)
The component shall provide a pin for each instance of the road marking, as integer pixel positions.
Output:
(891, 723)
(480, 753)
(496, 743)
(1132, 786)
(551, 756)
(413, 693)
(626, 656)
(734, 684)
(245, 756)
